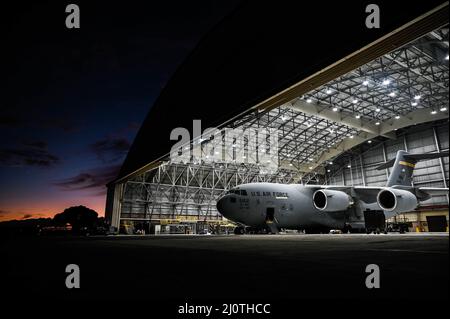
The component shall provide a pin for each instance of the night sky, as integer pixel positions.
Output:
(73, 99)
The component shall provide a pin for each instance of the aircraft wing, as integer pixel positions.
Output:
(369, 194)
(432, 191)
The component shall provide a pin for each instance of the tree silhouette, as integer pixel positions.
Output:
(78, 217)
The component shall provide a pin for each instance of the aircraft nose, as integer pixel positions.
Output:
(221, 206)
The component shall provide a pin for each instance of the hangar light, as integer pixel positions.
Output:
(329, 91)
(414, 103)
(355, 101)
(386, 82)
(397, 117)
(377, 123)
(308, 101)
(392, 94)
(417, 97)
(335, 109)
(366, 82)
(377, 109)
(433, 112)
(357, 116)
(443, 109)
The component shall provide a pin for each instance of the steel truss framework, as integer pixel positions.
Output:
(405, 80)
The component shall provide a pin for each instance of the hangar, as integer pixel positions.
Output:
(342, 106)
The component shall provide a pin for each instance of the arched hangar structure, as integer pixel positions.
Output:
(342, 102)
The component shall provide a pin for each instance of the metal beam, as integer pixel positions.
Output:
(413, 118)
(337, 117)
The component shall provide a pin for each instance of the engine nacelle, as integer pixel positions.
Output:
(328, 200)
(397, 200)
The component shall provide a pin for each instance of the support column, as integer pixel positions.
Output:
(351, 172)
(385, 160)
(441, 162)
(363, 178)
(117, 206)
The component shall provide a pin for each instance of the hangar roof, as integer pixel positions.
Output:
(279, 73)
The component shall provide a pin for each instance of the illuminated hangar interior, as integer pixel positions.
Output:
(334, 128)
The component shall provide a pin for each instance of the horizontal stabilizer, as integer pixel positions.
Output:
(414, 158)
(419, 157)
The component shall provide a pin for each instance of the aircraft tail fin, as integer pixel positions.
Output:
(403, 166)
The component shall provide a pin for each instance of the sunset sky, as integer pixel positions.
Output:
(74, 99)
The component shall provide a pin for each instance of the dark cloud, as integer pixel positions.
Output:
(28, 156)
(26, 216)
(36, 144)
(94, 180)
(111, 149)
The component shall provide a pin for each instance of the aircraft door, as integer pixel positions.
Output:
(271, 220)
(270, 214)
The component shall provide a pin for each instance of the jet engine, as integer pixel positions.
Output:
(328, 200)
(396, 200)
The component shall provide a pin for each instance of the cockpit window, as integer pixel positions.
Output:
(237, 192)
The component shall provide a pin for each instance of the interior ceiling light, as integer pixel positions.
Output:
(443, 109)
(414, 103)
(397, 117)
(366, 82)
(377, 109)
(335, 109)
(417, 97)
(308, 101)
(386, 82)
(392, 94)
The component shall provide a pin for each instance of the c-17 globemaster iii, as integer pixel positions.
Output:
(320, 208)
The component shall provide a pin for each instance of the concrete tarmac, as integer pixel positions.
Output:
(260, 267)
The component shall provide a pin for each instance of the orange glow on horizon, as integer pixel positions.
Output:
(22, 211)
